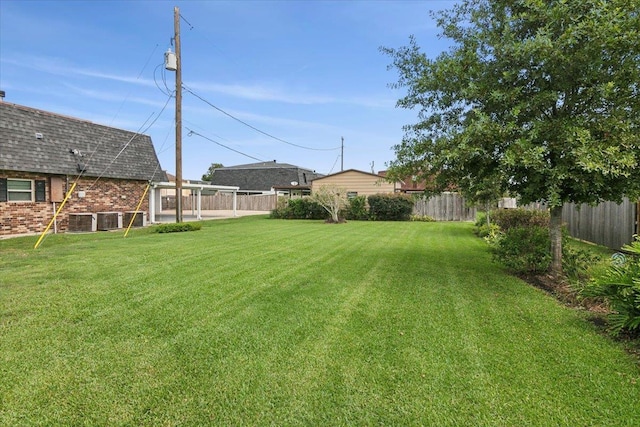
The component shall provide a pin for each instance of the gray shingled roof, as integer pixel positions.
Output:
(263, 176)
(38, 141)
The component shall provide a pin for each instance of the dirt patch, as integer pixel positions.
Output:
(565, 293)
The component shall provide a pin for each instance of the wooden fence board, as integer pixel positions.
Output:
(609, 224)
(257, 202)
(445, 207)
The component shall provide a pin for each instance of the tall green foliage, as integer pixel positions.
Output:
(357, 208)
(303, 208)
(390, 207)
(208, 176)
(536, 98)
(620, 285)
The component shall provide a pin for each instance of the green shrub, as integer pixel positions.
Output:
(485, 230)
(511, 218)
(576, 262)
(178, 227)
(281, 208)
(390, 207)
(357, 209)
(303, 208)
(481, 219)
(523, 249)
(620, 286)
(422, 218)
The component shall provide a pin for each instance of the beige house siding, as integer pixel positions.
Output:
(363, 183)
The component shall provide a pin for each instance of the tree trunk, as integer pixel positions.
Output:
(555, 233)
(487, 208)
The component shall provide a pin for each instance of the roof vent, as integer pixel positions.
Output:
(39, 135)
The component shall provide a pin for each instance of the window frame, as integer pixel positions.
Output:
(31, 191)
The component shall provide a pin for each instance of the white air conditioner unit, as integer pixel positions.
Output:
(109, 220)
(82, 222)
(140, 219)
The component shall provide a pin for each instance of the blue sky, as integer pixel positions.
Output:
(306, 72)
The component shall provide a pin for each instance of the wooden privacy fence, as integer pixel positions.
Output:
(608, 224)
(445, 207)
(258, 202)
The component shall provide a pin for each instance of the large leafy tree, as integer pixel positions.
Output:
(538, 98)
(208, 176)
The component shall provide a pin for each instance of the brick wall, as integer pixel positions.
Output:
(105, 195)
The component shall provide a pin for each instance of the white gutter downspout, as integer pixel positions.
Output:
(55, 223)
(152, 205)
(199, 203)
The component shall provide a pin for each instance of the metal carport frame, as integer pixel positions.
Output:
(155, 200)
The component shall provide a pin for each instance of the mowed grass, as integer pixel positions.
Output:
(268, 322)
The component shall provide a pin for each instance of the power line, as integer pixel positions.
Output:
(253, 127)
(192, 132)
(203, 129)
(140, 131)
(188, 23)
(147, 63)
(164, 80)
(334, 164)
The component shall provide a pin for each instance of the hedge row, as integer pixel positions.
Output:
(380, 207)
(177, 227)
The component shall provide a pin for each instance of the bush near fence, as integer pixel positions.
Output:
(447, 206)
(303, 208)
(390, 207)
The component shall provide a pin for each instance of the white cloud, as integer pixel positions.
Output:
(113, 96)
(275, 93)
(57, 66)
(259, 92)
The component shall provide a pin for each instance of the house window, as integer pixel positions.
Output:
(351, 194)
(20, 190)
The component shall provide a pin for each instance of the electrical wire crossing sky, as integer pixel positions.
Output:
(275, 80)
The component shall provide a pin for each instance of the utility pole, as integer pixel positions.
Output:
(342, 154)
(176, 25)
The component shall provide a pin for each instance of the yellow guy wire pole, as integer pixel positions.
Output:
(133, 217)
(55, 215)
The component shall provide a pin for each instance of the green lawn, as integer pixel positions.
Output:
(268, 322)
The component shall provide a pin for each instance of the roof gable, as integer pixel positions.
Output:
(350, 171)
(42, 142)
(262, 176)
(264, 165)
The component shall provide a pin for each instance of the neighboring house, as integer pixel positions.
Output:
(357, 183)
(42, 154)
(265, 177)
